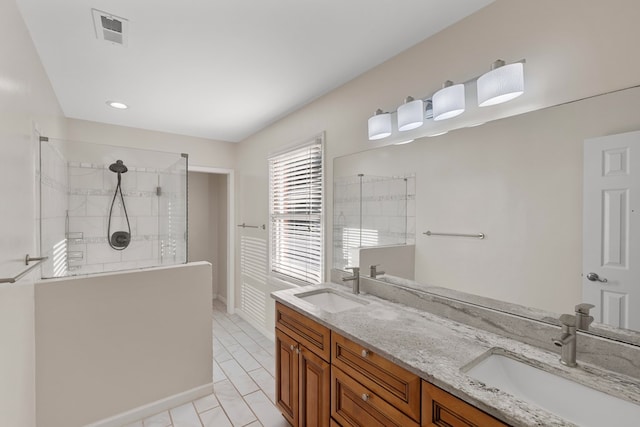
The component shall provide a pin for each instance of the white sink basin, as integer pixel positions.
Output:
(574, 402)
(330, 300)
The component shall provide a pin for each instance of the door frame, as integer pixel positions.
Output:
(230, 230)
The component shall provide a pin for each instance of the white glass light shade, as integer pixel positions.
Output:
(501, 84)
(448, 102)
(379, 125)
(411, 115)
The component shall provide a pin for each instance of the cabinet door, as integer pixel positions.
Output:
(441, 409)
(354, 405)
(309, 333)
(315, 386)
(287, 377)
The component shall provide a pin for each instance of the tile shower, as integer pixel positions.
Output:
(76, 193)
(371, 211)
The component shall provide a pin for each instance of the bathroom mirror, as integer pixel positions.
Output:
(519, 182)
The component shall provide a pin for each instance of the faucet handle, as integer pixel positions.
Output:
(584, 308)
(568, 320)
(354, 269)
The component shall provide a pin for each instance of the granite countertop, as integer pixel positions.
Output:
(436, 348)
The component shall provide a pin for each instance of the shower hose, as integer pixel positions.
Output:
(124, 207)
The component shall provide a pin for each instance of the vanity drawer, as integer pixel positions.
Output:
(354, 405)
(396, 385)
(311, 334)
(440, 408)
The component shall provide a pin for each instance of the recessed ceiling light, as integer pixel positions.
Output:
(118, 105)
(404, 142)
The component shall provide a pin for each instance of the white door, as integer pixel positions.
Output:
(611, 229)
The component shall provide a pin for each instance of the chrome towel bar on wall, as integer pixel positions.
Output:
(476, 236)
(27, 260)
(243, 225)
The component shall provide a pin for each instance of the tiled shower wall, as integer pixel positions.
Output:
(372, 211)
(53, 202)
(91, 190)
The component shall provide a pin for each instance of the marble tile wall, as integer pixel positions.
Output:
(374, 211)
(53, 208)
(91, 191)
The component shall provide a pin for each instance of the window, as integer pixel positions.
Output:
(295, 209)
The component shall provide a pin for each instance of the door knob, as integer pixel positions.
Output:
(595, 278)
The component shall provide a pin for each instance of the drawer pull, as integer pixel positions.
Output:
(365, 353)
(365, 397)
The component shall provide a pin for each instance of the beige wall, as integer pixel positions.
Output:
(200, 219)
(218, 208)
(202, 152)
(208, 225)
(111, 343)
(26, 98)
(571, 48)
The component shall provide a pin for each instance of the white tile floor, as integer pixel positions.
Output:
(243, 382)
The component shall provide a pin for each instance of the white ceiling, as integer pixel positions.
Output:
(221, 69)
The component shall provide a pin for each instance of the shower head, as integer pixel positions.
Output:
(118, 167)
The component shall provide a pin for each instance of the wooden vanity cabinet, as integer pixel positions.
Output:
(441, 409)
(302, 369)
(326, 380)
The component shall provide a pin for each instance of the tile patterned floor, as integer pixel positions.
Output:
(243, 381)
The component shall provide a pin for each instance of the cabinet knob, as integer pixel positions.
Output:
(292, 347)
(365, 352)
(365, 397)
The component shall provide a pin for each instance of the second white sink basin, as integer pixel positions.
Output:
(574, 402)
(330, 300)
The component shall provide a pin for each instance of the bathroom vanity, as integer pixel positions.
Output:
(345, 360)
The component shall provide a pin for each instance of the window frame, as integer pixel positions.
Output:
(274, 273)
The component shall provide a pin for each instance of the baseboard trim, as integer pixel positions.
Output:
(154, 407)
(221, 298)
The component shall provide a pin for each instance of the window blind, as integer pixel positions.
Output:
(295, 204)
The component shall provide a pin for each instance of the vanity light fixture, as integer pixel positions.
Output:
(379, 125)
(503, 83)
(410, 114)
(448, 102)
(117, 105)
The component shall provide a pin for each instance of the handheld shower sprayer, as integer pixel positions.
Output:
(119, 240)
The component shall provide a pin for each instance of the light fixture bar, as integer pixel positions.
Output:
(503, 83)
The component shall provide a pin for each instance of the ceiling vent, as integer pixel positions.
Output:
(110, 28)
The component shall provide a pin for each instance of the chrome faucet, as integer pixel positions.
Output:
(583, 320)
(567, 340)
(355, 278)
(373, 272)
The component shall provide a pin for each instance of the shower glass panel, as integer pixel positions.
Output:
(371, 211)
(78, 208)
(172, 210)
